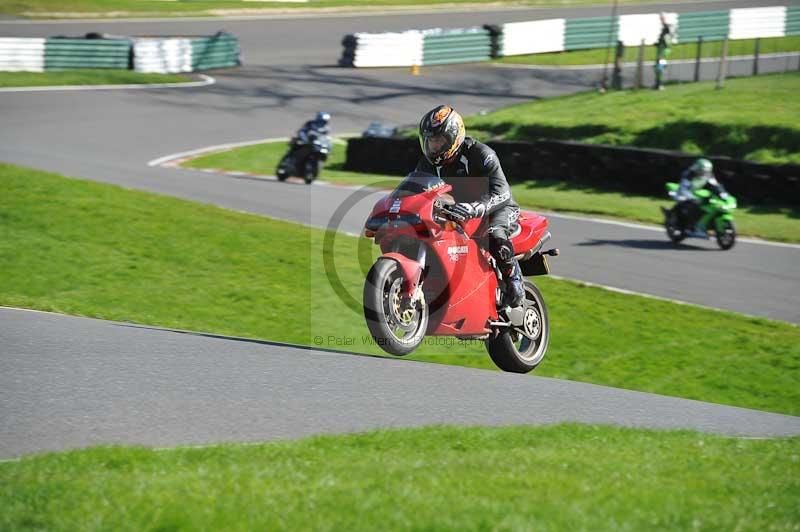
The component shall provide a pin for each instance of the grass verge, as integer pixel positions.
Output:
(97, 250)
(599, 56)
(176, 8)
(753, 118)
(772, 223)
(85, 77)
(564, 477)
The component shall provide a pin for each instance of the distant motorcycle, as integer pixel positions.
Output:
(307, 153)
(715, 215)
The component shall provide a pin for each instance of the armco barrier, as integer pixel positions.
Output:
(641, 171)
(67, 53)
(456, 46)
(22, 55)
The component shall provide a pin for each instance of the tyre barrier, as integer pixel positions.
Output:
(443, 46)
(143, 54)
(632, 170)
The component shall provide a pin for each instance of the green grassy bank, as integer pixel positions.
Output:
(773, 223)
(176, 8)
(85, 77)
(565, 477)
(90, 249)
(753, 118)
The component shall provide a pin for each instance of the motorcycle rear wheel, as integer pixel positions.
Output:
(396, 325)
(727, 237)
(513, 352)
(310, 170)
(675, 232)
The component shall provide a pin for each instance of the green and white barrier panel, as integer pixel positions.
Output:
(466, 45)
(556, 35)
(65, 53)
(416, 47)
(26, 55)
(57, 53)
(170, 55)
(174, 55)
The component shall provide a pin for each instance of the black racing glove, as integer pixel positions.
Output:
(462, 212)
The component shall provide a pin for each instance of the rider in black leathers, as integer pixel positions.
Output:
(319, 124)
(479, 185)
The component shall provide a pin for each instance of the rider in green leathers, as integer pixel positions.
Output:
(699, 176)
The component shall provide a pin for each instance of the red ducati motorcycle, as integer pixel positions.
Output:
(435, 278)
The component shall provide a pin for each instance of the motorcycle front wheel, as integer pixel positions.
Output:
(726, 235)
(513, 351)
(397, 325)
(282, 172)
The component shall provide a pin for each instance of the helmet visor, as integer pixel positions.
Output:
(436, 146)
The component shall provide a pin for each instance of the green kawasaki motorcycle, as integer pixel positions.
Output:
(715, 214)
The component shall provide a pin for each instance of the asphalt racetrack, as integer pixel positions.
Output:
(73, 382)
(69, 382)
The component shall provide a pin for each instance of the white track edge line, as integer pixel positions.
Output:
(658, 228)
(207, 80)
(210, 149)
(221, 147)
(666, 299)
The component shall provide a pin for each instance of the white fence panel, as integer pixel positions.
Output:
(21, 55)
(750, 23)
(388, 49)
(166, 56)
(634, 28)
(533, 37)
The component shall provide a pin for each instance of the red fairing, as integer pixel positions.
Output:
(411, 271)
(532, 228)
(471, 288)
(457, 279)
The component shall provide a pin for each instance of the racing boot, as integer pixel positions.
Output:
(698, 231)
(514, 293)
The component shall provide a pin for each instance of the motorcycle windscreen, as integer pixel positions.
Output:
(417, 183)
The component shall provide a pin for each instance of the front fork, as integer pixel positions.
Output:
(719, 222)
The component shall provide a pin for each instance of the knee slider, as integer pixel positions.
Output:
(501, 247)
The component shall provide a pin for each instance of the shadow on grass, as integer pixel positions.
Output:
(514, 131)
(659, 245)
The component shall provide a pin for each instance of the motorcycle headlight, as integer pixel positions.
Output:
(380, 222)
